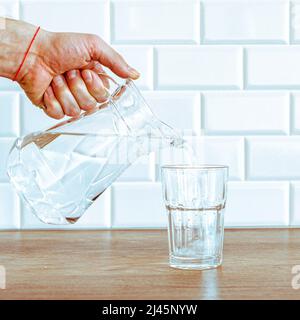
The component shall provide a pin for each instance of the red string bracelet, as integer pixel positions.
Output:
(26, 53)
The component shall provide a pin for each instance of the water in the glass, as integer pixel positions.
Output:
(196, 237)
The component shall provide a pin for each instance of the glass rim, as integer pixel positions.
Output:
(195, 167)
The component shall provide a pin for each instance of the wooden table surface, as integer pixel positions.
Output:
(133, 265)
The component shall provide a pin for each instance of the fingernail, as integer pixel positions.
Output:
(98, 67)
(105, 93)
(72, 74)
(133, 73)
(87, 76)
(41, 106)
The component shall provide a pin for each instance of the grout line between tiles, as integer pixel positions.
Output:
(202, 113)
(244, 159)
(245, 68)
(111, 22)
(290, 204)
(290, 23)
(246, 162)
(109, 208)
(291, 114)
(154, 68)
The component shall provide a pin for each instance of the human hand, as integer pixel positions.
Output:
(61, 70)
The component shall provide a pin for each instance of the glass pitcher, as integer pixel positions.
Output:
(61, 171)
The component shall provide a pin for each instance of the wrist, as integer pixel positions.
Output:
(35, 58)
(14, 41)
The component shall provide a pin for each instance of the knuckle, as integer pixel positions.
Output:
(114, 64)
(93, 37)
(58, 82)
(94, 40)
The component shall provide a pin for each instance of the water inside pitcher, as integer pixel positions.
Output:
(61, 171)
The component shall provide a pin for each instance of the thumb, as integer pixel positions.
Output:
(108, 57)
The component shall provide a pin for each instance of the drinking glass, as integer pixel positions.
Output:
(195, 198)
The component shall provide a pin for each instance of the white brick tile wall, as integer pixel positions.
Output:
(257, 204)
(5, 146)
(185, 105)
(295, 204)
(246, 113)
(156, 21)
(273, 67)
(9, 8)
(33, 118)
(273, 158)
(137, 205)
(295, 115)
(192, 67)
(8, 85)
(90, 16)
(256, 21)
(227, 71)
(141, 58)
(9, 114)
(295, 21)
(9, 207)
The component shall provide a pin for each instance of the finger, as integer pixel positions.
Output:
(97, 68)
(64, 96)
(79, 90)
(94, 85)
(108, 57)
(53, 108)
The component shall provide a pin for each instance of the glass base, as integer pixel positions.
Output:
(195, 263)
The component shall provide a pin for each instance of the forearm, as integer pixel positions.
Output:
(14, 40)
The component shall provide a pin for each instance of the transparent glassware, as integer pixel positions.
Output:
(60, 172)
(195, 198)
